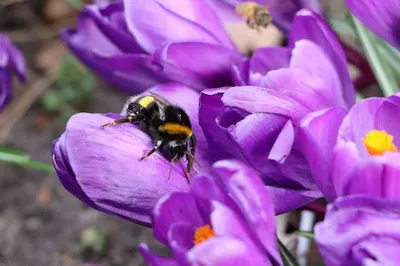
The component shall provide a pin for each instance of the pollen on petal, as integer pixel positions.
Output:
(378, 142)
(203, 233)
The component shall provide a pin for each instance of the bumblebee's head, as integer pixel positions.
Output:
(175, 114)
(174, 149)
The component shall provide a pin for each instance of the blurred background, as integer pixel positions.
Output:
(40, 222)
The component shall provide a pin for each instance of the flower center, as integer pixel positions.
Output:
(203, 233)
(378, 142)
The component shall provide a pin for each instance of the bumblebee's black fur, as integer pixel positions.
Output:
(151, 118)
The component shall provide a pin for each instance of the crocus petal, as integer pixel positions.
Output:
(225, 251)
(131, 73)
(380, 17)
(129, 190)
(344, 160)
(283, 144)
(121, 38)
(154, 260)
(352, 220)
(309, 88)
(240, 73)
(384, 120)
(205, 190)
(317, 137)
(5, 87)
(378, 250)
(266, 59)
(219, 143)
(376, 176)
(310, 26)
(171, 209)
(226, 223)
(359, 122)
(256, 99)
(285, 200)
(211, 69)
(11, 60)
(256, 131)
(248, 190)
(181, 235)
(320, 66)
(11, 56)
(156, 22)
(395, 98)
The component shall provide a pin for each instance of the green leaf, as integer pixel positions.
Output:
(75, 3)
(51, 101)
(307, 234)
(287, 256)
(19, 158)
(94, 240)
(380, 68)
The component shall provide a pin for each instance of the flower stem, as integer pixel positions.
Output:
(386, 82)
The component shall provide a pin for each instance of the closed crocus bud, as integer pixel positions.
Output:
(11, 61)
(137, 44)
(359, 230)
(227, 219)
(258, 121)
(359, 155)
(102, 166)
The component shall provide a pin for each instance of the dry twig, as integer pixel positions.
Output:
(18, 108)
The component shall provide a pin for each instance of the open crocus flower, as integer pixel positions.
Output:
(11, 60)
(102, 167)
(381, 17)
(359, 230)
(228, 219)
(137, 44)
(258, 124)
(282, 12)
(356, 153)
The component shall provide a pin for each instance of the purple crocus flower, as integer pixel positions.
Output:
(359, 230)
(137, 44)
(258, 124)
(382, 17)
(11, 60)
(101, 166)
(356, 153)
(228, 219)
(283, 12)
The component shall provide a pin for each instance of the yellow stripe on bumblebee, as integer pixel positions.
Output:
(145, 101)
(174, 128)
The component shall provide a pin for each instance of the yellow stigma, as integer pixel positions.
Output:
(378, 142)
(203, 233)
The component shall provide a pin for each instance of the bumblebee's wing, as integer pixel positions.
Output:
(161, 101)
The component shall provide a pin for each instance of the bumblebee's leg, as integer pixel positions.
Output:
(128, 119)
(153, 150)
(174, 160)
(190, 157)
(116, 122)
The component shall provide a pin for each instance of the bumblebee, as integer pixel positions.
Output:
(256, 15)
(167, 124)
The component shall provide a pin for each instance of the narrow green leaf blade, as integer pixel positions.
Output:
(307, 234)
(287, 256)
(19, 158)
